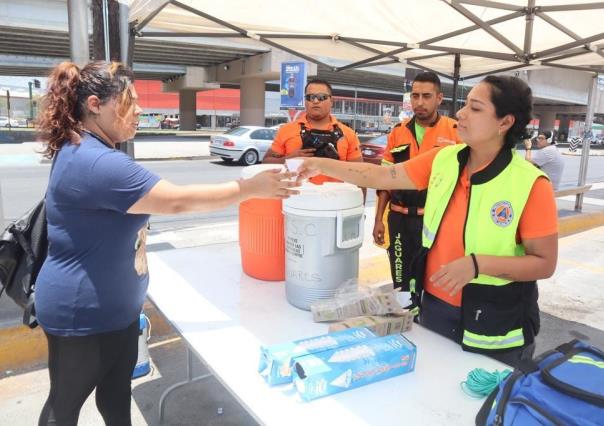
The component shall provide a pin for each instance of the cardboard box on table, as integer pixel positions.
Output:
(337, 370)
(276, 360)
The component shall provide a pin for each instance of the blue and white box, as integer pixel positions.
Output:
(337, 370)
(276, 361)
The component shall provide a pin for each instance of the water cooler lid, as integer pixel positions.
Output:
(327, 197)
(251, 171)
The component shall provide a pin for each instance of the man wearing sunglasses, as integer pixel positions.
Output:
(315, 133)
(424, 131)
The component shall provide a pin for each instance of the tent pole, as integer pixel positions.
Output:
(455, 84)
(528, 29)
(592, 100)
(140, 25)
(354, 120)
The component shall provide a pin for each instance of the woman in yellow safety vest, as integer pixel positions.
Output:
(490, 224)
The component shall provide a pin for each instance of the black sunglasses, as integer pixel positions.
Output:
(317, 97)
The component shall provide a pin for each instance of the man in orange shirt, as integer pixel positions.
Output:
(425, 130)
(315, 133)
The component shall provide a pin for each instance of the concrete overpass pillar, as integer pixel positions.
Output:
(252, 101)
(546, 120)
(187, 108)
(564, 122)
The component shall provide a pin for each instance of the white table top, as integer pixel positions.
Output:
(225, 316)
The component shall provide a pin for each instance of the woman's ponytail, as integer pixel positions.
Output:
(59, 118)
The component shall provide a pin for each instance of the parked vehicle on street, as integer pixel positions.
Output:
(246, 144)
(149, 121)
(373, 149)
(4, 122)
(276, 127)
(170, 123)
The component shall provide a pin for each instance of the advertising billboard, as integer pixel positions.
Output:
(293, 80)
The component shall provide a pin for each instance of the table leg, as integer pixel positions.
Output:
(190, 379)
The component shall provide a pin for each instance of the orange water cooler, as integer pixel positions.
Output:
(261, 236)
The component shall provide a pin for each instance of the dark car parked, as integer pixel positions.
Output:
(373, 149)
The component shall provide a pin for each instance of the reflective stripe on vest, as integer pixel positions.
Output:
(400, 148)
(428, 236)
(393, 151)
(513, 339)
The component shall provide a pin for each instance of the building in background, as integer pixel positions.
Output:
(219, 109)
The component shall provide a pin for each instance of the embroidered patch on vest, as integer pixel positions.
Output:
(502, 213)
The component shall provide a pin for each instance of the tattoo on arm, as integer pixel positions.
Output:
(392, 172)
(274, 154)
(363, 173)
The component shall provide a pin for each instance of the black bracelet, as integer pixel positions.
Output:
(473, 256)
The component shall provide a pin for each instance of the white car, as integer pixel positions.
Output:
(246, 144)
(5, 123)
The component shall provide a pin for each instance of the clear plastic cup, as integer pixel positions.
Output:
(293, 164)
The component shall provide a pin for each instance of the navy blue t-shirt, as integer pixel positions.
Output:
(95, 278)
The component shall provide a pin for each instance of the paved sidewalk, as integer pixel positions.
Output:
(196, 404)
(578, 152)
(29, 153)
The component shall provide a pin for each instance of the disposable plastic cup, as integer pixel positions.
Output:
(293, 164)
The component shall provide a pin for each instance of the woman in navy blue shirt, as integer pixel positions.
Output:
(91, 288)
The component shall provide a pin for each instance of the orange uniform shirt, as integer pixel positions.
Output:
(442, 133)
(539, 219)
(288, 140)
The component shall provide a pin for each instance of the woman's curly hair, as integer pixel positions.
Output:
(64, 105)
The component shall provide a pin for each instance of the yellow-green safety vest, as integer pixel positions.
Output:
(498, 195)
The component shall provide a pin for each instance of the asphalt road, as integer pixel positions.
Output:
(21, 186)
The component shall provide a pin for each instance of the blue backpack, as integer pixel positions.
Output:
(564, 386)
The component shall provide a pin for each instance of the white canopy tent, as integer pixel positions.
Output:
(487, 36)
(454, 38)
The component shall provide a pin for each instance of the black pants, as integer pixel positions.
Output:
(78, 365)
(445, 320)
(405, 232)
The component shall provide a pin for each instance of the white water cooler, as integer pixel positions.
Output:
(323, 234)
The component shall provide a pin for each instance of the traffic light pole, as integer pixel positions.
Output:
(31, 102)
(8, 109)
